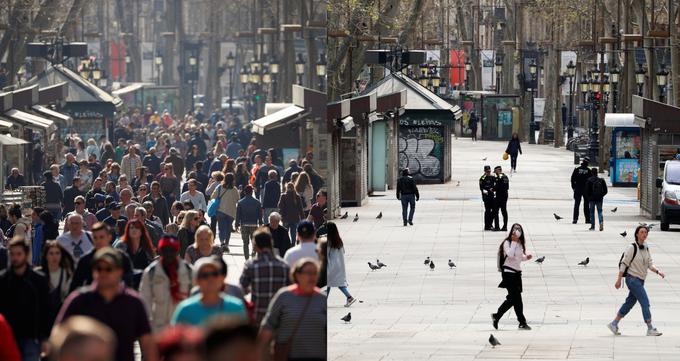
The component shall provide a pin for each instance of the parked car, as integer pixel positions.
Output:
(670, 194)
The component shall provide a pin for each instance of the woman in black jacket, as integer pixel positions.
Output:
(512, 150)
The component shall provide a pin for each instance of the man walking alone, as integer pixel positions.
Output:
(579, 177)
(407, 192)
(596, 189)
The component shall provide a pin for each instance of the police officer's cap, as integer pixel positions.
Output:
(498, 167)
(487, 168)
(586, 159)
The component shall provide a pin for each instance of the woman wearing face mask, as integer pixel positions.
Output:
(633, 266)
(511, 254)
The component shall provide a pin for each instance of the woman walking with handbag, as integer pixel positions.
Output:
(511, 254)
(296, 317)
(513, 148)
(228, 197)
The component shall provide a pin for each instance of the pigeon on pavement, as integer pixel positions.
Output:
(484, 158)
(379, 215)
(380, 264)
(344, 216)
(615, 209)
(356, 217)
(431, 265)
(556, 216)
(372, 266)
(624, 233)
(493, 341)
(427, 260)
(451, 264)
(347, 317)
(584, 262)
(540, 260)
(458, 184)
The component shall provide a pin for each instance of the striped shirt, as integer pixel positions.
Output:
(309, 341)
(263, 276)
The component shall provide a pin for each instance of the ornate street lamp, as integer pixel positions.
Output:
(443, 87)
(571, 73)
(468, 68)
(661, 80)
(274, 70)
(640, 75)
(499, 70)
(614, 77)
(321, 70)
(231, 64)
(159, 61)
(299, 68)
(533, 68)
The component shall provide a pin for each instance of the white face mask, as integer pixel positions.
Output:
(517, 233)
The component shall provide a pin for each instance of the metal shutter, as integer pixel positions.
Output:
(647, 173)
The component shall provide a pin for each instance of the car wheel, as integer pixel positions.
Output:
(664, 226)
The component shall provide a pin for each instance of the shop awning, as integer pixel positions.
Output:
(7, 140)
(32, 120)
(5, 124)
(51, 113)
(277, 119)
(620, 120)
(128, 89)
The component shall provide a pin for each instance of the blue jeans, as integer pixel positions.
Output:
(406, 200)
(292, 231)
(343, 289)
(636, 293)
(224, 223)
(29, 348)
(591, 206)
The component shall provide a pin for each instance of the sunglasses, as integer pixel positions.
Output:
(206, 275)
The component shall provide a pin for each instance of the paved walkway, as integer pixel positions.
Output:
(411, 313)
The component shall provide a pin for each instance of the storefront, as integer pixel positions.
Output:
(354, 151)
(498, 114)
(11, 150)
(624, 157)
(383, 142)
(660, 138)
(338, 121)
(91, 108)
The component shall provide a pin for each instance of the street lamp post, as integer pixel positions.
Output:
(571, 72)
(128, 60)
(321, 70)
(640, 74)
(615, 73)
(274, 70)
(533, 68)
(231, 63)
(193, 63)
(661, 79)
(468, 67)
(159, 62)
(499, 71)
(594, 105)
(266, 81)
(300, 68)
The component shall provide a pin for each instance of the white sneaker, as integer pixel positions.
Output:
(654, 332)
(350, 301)
(613, 329)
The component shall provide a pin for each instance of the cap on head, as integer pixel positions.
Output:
(498, 167)
(306, 229)
(487, 168)
(173, 150)
(113, 206)
(109, 255)
(586, 159)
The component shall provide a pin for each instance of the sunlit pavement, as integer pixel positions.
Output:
(411, 313)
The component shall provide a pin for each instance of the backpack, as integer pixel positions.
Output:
(635, 248)
(598, 189)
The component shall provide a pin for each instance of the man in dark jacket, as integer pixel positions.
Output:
(579, 177)
(262, 175)
(70, 193)
(54, 197)
(595, 190)
(24, 301)
(487, 182)
(280, 234)
(15, 180)
(161, 209)
(292, 168)
(176, 161)
(270, 195)
(501, 186)
(407, 192)
(248, 217)
(152, 162)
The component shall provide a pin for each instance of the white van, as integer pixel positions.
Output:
(670, 194)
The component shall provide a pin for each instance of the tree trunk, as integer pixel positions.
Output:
(675, 58)
(212, 83)
(170, 22)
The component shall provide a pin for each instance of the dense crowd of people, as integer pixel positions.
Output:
(139, 258)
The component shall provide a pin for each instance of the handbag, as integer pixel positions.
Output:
(214, 205)
(282, 350)
(505, 155)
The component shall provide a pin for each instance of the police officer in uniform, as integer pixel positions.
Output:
(578, 184)
(502, 184)
(486, 184)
